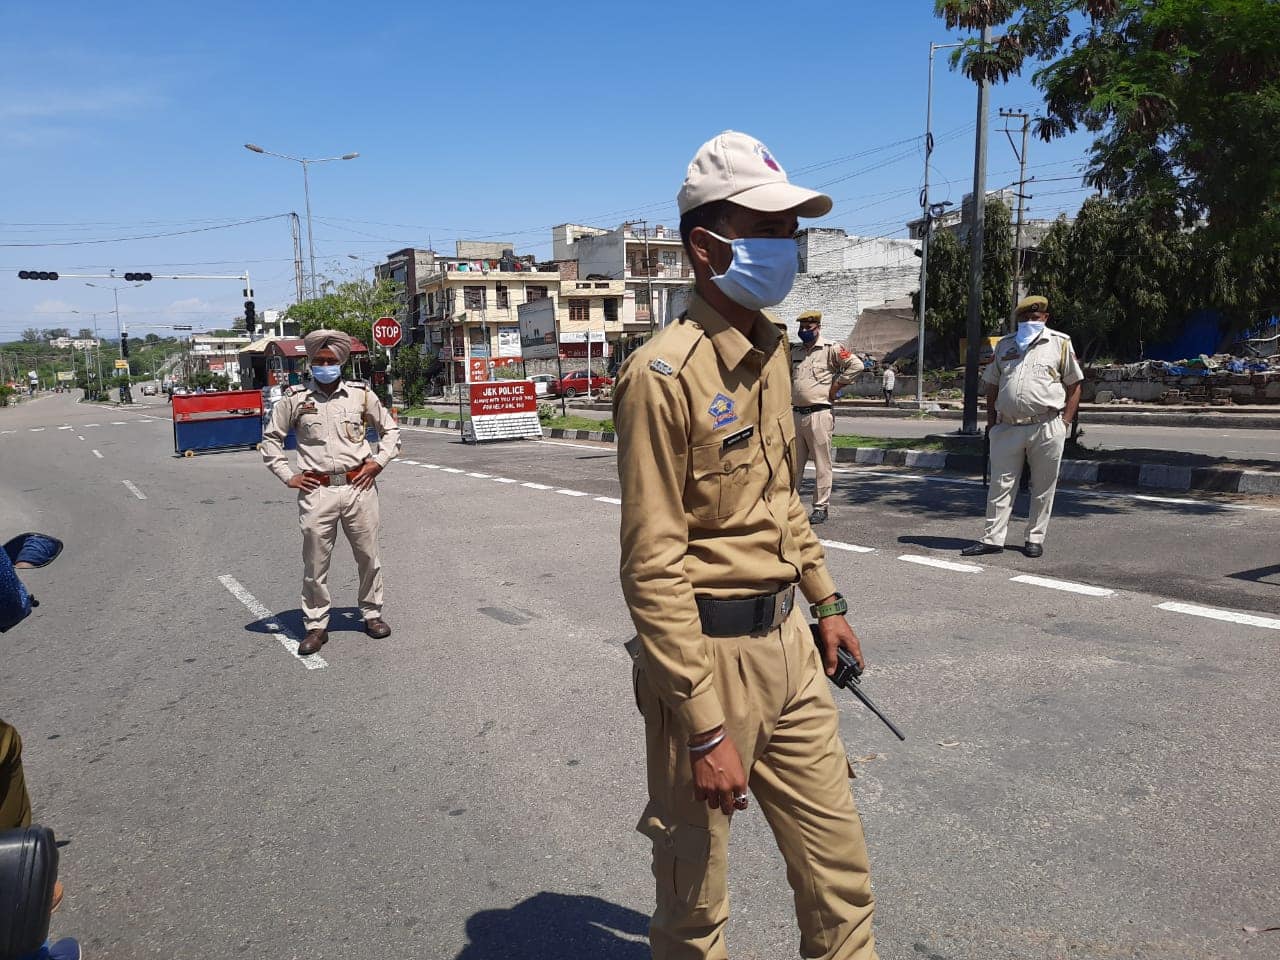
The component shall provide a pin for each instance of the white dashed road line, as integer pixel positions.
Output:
(1066, 585)
(65, 428)
(452, 470)
(536, 486)
(614, 500)
(503, 480)
(848, 547)
(98, 454)
(481, 476)
(269, 621)
(573, 493)
(119, 423)
(78, 437)
(134, 490)
(35, 429)
(1213, 613)
(941, 564)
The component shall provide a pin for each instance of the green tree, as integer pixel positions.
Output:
(1184, 96)
(350, 306)
(411, 367)
(1114, 281)
(84, 334)
(947, 285)
(31, 335)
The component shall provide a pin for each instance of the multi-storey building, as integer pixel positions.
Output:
(408, 268)
(584, 319)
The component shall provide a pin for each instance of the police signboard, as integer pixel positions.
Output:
(502, 410)
(387, 331)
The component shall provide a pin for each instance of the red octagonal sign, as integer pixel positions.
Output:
(387, 331)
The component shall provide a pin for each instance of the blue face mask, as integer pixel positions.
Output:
(325, 373)
(761, 272)
(1028, 330)
(808, 336)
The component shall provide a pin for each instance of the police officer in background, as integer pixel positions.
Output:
(819, 368)
(335, 485)
(1033, 391)
(715, 543)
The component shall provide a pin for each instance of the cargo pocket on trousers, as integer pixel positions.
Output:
(681, 854)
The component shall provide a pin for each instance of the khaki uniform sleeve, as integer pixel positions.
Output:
(272, 445)
(380, 418)
(1071, 372)
(844, 365)
(815, 580)
(651, 419)
(991, 372)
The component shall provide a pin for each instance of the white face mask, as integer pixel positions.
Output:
(1028, 330)
(761, 273)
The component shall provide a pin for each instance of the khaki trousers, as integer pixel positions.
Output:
(781, 716)
(1040, 445)
(15, 806)
(319, 513)
(813, 439)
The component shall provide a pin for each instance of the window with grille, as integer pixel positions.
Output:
(503, 300)
(579, 310)
(611, 309)
(473, 298)
(534, 293)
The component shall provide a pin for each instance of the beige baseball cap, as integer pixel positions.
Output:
(735, 166)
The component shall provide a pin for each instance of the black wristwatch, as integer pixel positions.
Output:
(837, 607)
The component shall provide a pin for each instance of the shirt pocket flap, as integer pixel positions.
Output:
(711, 459)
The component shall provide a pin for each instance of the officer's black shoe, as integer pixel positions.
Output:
(980, 549)
(1033, 550)
(818, 516)
(312, 642)
(377, 628)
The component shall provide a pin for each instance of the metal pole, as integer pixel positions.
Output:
(974, 331)
(1017, 234)
(311, 248)
(295, 229)
(648, 272)
(924, 243)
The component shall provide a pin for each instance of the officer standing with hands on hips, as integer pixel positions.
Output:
(1033, 391)
(336, 481)
(819, 368)
(715, 542)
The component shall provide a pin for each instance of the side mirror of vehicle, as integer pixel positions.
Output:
(33, 550)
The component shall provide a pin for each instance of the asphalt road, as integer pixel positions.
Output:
(1233, 444)
(1086, 773)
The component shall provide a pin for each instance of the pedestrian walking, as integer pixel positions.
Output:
(732, 689)
(1033, 390)
(335, 484)
(887, 384)
(819, 368)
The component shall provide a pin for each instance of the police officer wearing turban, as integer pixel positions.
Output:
(1033, 390)
(335, 484)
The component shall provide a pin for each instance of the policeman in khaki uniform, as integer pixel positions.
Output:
(1033, 390)
(715, 542)
(336, 482)
(819, 368)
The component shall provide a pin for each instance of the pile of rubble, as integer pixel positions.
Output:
(1220, 380)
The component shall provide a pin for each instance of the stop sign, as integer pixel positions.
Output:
(387, 331)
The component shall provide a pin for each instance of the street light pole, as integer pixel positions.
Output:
(306, 188)
(974, 326)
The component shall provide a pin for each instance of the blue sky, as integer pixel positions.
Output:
(491, 121)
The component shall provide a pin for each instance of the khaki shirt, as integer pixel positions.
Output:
(330, 429)
(706, 447)
(815, 366)
(1034, 383)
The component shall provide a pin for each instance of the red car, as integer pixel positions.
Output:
(575, 383)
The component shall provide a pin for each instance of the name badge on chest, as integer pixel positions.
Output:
(736, 439)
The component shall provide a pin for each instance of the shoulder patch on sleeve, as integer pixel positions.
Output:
(658, 365)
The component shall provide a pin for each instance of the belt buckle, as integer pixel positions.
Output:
(338, 480)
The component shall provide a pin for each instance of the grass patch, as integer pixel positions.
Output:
(431, 413)
(561, 423)
(949, 444)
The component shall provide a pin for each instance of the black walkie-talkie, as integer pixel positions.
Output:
(847, 675)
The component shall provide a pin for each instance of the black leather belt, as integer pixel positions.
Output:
(746, 616)
(813, 409)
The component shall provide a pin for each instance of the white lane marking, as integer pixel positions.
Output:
(396, 460)
(573, 493)
(289, 641)
(503, 480)
(614, 500)
(97, 454)
(850, 547)
(93, 424)
(432, 466)
(78, 437)
(452, 470)
(119, 423)
(1213, 613)
(64, 428)
(8, 431)
(1067, 585)
(941, 564)
(580, 446)
(412, 463)
(1179, 500)
(35, 429)
(134, 490)
(481, 476)
(536, 486)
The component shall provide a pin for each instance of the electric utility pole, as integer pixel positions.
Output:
(1022, 186)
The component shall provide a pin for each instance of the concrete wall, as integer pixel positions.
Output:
(563, 236)
(603, 255)
(483, 249)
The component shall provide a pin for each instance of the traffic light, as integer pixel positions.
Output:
(136, 276)
(124, 344)
(37, 275)
(250, 317)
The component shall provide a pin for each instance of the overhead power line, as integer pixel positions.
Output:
(148, 236)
